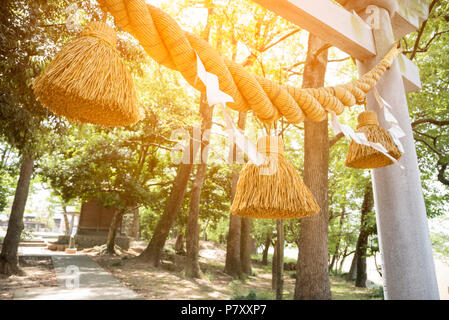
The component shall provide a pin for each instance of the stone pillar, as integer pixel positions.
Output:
(408, 267)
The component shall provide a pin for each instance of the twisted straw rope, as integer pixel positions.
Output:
(101, 31)
(165, 41)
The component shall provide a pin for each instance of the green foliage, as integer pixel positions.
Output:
(262, 228)
(440, 243)
(239, 293)
(217, 231)
(7, 183)
(29, 31)
(116, 264)
(215, 201)
(250, 296)
(26, 235)
(377, 292)
(8, 173)
(148, 220)
(429, 107)
(107, 168)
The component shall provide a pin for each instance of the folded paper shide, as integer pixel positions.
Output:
(273, 190)
(362, 156)
(88, 81)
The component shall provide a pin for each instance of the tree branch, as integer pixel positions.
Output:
(430, 120)
(339, 60)
(421, 30)
(429, 146)
(323, 48)
(335, 139)
(441, 172)
(248, 59)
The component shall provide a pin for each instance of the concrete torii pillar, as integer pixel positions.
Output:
(407, 260)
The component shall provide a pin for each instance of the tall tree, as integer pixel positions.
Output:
(278, 261)
(367, 227)
(312, 277)
(25, 125)
(233, 265)
(192, 267)
(246, 245)
(153, 252)
(8, 257)
(339, 236)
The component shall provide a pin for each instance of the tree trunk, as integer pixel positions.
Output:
(333, 259)
(362, 241)
(136, 224)
(66, 220)
(274, 263)
(192, 266)
(353, 269)
(205, 230)
(115, 222)
(179, 244)
(312, 278)
(9, 263)
(265, 249)
(153, 252)
(337, 246)
(246, 244)
(233, 265)
(343, 258)
(278, 271)
(361, 277)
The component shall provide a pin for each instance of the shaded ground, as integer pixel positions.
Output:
(38, 273)
(169, 282)
(442, 272)
(79, 278)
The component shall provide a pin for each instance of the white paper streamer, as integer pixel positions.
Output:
(216, 96)
(358, 137)
(395, 130)
(242, 142)
(210, 80)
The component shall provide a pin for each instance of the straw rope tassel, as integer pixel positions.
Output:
(168, 44)
(88, 82)
(280, 195)
(364, 157)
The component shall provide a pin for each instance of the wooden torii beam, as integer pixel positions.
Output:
(407, 261)
(347, 31)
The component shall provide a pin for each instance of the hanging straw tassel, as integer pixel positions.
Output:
(279, 195)
(88, 81)
(364, 157)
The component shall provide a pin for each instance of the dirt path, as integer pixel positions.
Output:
(78, 278)
(442, 271)
(38, 273)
